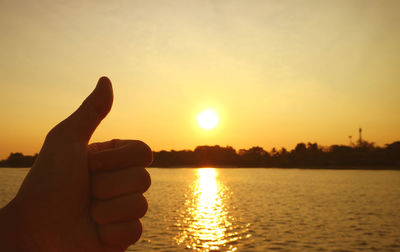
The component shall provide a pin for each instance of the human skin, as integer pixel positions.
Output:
(80, 197)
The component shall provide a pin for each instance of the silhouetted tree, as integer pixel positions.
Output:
(307, 155)
(254, 157)
(393, 152)
(18, 160)
(215, 155)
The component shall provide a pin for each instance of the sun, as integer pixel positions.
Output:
(208, 119)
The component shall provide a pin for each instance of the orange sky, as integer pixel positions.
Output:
(277, 72)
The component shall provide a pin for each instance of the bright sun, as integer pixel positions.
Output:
(207, 119)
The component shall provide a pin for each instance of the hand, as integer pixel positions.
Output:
(80, 197)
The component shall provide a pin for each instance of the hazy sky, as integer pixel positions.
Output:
(277, 72)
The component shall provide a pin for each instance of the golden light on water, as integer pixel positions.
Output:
(206, 223)
(209, 214)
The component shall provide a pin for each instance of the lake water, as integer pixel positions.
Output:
(264, 209)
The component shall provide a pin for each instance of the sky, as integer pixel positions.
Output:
(276, 72)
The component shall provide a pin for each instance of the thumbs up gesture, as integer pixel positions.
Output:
(80, 197)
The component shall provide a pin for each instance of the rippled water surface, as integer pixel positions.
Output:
(264, 209)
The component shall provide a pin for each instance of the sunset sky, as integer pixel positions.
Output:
(276, 72)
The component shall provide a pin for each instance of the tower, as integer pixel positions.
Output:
(360, 136)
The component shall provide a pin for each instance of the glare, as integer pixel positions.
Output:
(208, 119)
(207, 226)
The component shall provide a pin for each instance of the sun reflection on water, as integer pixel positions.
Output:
(205, 222)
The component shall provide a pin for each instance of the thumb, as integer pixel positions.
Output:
(88, 116)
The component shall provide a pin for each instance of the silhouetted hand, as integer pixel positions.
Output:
(80, 197)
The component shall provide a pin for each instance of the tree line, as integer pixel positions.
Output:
(310, 155)
(303, 155)
(18, 160)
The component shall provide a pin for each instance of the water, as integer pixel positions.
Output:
(264, 209)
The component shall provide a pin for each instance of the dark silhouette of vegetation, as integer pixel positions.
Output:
(311, 155)
(18, 160)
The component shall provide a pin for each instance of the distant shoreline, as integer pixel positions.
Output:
(391, 168)
(362, 156)
(376, 168)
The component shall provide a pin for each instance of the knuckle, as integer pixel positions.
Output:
(95, 213)
(146, 181)
(121, 234)
(146, 152)
(98, 191)
(114, 142)
(137, 229)
(142, 206)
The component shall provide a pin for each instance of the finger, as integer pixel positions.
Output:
(115, 143)
(107, 185)
(124, 208)
(126, 153)
(121, 234)
(95, 107)
(82, 123)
